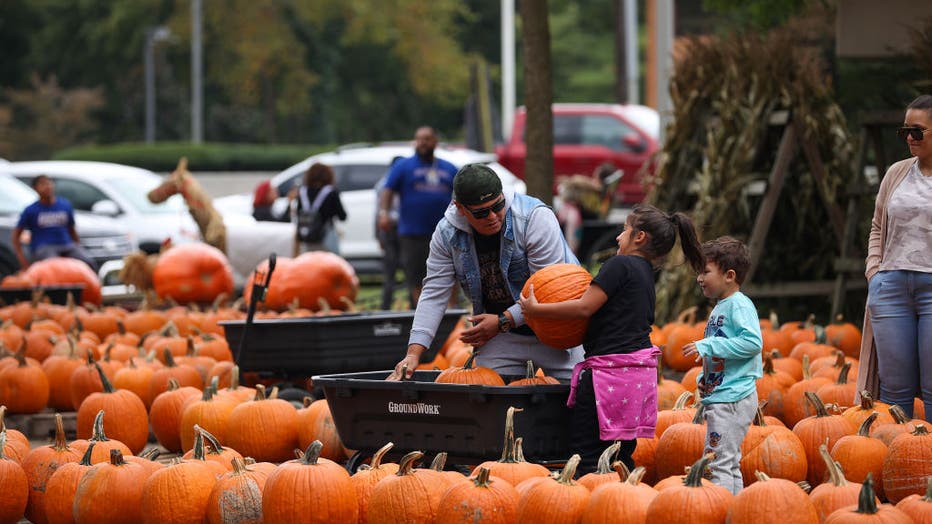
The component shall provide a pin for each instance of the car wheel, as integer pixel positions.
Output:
(8, 262)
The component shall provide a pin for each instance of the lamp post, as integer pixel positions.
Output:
(153, 36)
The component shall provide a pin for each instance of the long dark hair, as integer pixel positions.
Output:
(661, 229)
(921, 102)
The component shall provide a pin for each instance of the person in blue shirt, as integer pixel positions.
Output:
(50, 222)
(731, 359)
(424, 184)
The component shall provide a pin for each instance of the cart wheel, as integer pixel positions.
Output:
(358, 459)
(601, 250)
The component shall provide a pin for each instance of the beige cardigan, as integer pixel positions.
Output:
(867, 361)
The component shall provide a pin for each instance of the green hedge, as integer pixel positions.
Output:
(163, 156)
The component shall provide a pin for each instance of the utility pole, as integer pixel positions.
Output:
(508, 67)
(153, 36)
(626, 52)
(197, 69)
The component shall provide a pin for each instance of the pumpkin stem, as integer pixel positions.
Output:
(273, 394)
(530, 373)
(681, 401)
(519, 449)
(694, 477)
(98, 434)
(312, 453)
(865, 429)
(867, 500)
(108, 387)
(2, 444)
(621, 470)
(150, 454)
(234, 378)
(759, 416)
(817, 404)
(377, 457)
(843, 373)
(239, 466)
(2, 417)
(805, 486)
(440, 460)
(807, 374)
(768, 365)
(469, 361)
(482, 478)
(835, 474)
(569, 471)
(216, 448)
(928, 496)
(605, 459)
(634, 478)
(173, 384)
(116, 457)
(761, 476)
(920, 430)
(899, 416)
(60, 443)
(508, 451)
(698, 417)
(260, 392)
(199, 452)
(323, 305)
(407, 463)
(307, 401)
(169, 359)
(867, 400)
(86, 458)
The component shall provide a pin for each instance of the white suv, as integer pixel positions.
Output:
(357, 169)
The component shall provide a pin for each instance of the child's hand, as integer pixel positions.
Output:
(690, 350)
(528, 304)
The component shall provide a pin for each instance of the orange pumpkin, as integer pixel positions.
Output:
(237, 495)
(17, 445)
(180, 492)
(410, 495)
(165, 414)
(624, 500)
(309, 277)
(61, 487)
(327, 495)
(61, 271)
(315, 422)
(604, 472)
(510, 467)
(867, 510)
(774, 450)
(844, 336)
(532, 378)
(919, 508)
(264, 428)
(467, 374)
(15, 486)
(558, 283)
(106, 483)
(103, 446)
(555, 499)
(860, 455)
(129, 421)
(813, 431)
(192, 273)
(680, 444)
(40, 464)
(772, 501)
(365, 479)
(690, 500)
(493, 498)
(24, 388)
(908, 464)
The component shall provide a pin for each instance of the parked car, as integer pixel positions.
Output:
(119, 191)
(104, 238)
(585, 136)
(357, 169)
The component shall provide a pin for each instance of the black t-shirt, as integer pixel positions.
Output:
(496, 297)
(623, 323)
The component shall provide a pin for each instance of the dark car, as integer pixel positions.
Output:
(104, 238)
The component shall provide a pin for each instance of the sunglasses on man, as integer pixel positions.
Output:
(483, 212)
(916, 133)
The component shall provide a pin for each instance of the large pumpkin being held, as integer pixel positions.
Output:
(192, 273)
(558, 283)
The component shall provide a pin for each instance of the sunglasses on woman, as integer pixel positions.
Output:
(916, 133)
(483, 212)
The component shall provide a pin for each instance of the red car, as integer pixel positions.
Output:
(586, 136)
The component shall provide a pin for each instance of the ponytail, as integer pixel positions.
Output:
(689, 241)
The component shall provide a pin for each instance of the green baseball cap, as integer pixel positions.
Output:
(475, 184)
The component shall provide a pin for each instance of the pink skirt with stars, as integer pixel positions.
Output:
(625, 393)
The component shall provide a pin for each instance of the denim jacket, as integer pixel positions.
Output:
(531, 240)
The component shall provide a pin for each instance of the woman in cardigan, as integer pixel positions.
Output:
(896, 350)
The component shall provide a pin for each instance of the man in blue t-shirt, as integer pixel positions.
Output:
(425, 185)
(50, 222)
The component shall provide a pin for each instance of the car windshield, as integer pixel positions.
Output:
(15, 196)
(134, 190)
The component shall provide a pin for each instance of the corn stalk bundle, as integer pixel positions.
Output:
(724, 92)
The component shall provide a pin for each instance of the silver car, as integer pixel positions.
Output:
(104, 238)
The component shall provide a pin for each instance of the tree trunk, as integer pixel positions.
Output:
(538, 96)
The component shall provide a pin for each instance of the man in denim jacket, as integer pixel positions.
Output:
(490, 242)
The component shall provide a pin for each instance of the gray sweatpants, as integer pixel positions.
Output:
(726, 425)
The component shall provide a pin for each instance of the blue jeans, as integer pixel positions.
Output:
(900, 305)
